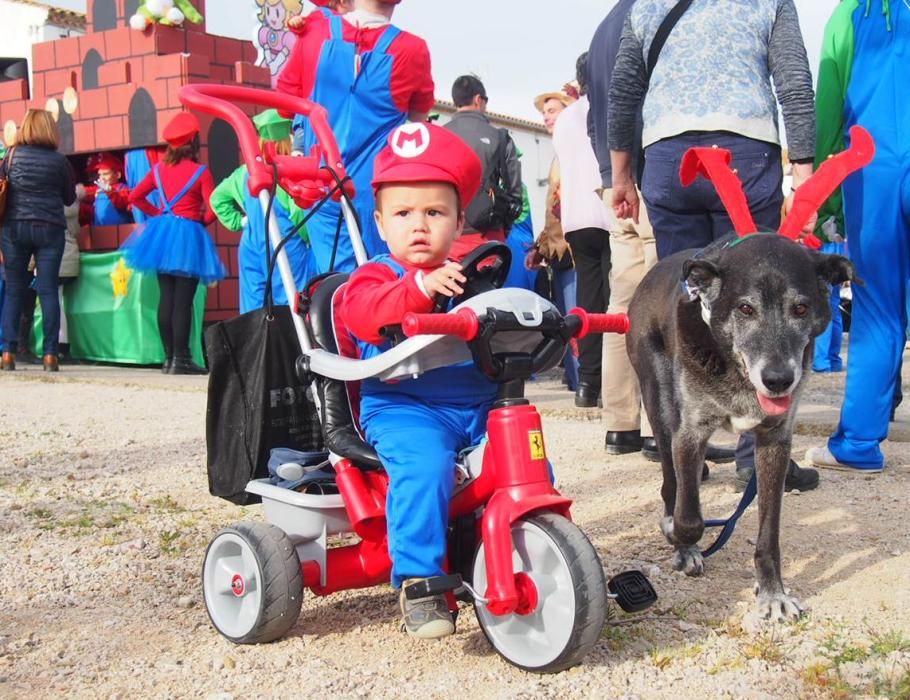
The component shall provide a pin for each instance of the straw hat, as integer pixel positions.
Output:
(562, 96)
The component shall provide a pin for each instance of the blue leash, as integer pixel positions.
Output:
(729, 524)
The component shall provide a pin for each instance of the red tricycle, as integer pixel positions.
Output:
(536, 583)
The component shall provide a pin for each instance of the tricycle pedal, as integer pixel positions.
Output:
(632, 591)
(434, 585)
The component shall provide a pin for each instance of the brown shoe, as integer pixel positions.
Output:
(8, 363)
(51, 363)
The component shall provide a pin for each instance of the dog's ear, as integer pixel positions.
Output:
(702, 276)
(835, 269)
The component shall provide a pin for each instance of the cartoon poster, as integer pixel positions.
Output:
(272, 39)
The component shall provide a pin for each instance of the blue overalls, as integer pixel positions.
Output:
(827, 346)
(106, 214)
(362, 114)
(877, 219)
(417, 427)
(251, 255)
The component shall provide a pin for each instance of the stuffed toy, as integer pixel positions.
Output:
(167, 12)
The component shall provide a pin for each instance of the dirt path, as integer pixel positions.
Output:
(105, 515)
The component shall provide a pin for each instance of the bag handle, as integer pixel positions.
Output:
(663, 31)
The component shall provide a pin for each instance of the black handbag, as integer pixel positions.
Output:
(255, 400)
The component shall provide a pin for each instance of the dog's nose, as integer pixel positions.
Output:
(777, 380)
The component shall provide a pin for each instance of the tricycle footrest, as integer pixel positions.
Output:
(632, 591)
(434, 585)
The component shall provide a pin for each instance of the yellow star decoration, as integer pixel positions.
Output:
(120, 278)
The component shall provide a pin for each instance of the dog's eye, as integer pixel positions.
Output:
(746, 310)
(800, 310)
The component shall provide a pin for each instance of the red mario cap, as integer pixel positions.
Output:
(106, 161)
(181, 129)
(421, 152)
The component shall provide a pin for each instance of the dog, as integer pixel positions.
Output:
(723, 337)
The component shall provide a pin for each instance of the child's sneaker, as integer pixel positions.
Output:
(425, 618)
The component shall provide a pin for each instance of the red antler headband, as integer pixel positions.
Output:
(714, 164)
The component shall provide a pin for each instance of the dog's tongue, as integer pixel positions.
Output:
(774, 406)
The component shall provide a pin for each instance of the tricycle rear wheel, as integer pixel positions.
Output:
(570, 591)
(251, 583)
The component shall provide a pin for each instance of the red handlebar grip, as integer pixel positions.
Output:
(462, 324)
(600, 323)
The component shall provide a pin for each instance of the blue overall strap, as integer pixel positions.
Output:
(729, 524)
(186, 188)
(335, 25)
(164, 203)
(385, 41)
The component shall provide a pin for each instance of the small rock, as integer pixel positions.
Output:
(895, 553)
(185, 601)
(684, 626)
(796, 492)
(751, 541)
(217, 664)
(229, 662)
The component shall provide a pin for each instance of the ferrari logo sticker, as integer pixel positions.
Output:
(535, 438)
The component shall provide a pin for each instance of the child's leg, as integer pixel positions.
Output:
(417, 446)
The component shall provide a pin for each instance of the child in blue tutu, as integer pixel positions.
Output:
(174, 243)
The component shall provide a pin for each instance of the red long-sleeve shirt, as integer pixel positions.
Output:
(119, 195)
(376, 296)
(412, 80)
(193, 205)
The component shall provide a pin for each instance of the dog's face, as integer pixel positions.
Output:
(766, 298)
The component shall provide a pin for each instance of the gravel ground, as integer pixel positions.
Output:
(105, 516)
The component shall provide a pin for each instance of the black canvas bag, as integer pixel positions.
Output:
(255, 400)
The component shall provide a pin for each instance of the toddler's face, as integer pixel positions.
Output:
(107, 176)
(419, 222)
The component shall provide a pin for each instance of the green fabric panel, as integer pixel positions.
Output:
(109, 328)
(834, 74)
(227, 199)
(525, 205)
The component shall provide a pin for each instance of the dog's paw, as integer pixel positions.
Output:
(689, 560)
(666, 527)
(778, 607)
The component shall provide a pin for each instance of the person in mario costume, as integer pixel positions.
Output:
(174, 243)
(371, 77)
(417, 426)
(106, 203)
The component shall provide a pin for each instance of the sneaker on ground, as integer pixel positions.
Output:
(425, 618)
(822, 457)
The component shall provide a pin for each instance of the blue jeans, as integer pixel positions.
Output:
(20, 240)
(693, 217)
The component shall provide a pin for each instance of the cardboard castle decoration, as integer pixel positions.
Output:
(126, 84)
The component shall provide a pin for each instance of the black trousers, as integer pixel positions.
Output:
(175, 313)
(591, 251)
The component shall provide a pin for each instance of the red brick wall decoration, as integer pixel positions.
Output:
(126, 83)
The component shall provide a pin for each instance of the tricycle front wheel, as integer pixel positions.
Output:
(563, 573)
(252, 583)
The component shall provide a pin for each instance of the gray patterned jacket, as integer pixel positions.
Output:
(715, 73)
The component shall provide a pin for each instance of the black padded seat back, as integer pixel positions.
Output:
(339, 425)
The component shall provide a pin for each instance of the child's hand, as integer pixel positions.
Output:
(445, 280)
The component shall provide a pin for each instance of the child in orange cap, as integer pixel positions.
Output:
(422, 180)
(106, 203)
(174, 243)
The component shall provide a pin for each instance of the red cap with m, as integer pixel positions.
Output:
(422, 152)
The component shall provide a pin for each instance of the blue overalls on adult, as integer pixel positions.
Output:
(370, 79)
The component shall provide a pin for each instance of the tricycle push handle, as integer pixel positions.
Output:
(310, 170)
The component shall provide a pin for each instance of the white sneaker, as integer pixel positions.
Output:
(821, 457)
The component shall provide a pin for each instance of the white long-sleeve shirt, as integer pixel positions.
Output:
(580, 205)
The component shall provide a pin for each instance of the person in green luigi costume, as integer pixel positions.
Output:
(237, 210)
